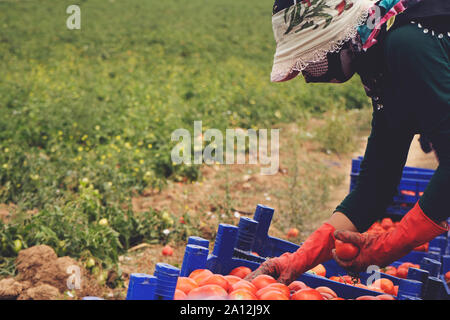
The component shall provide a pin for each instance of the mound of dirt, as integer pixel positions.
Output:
(44, 276)
(10, 289)
(41, 292)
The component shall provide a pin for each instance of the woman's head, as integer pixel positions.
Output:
(313, 38)
(337, 67)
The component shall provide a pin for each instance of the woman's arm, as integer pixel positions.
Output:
(379, 176)
(340, 222)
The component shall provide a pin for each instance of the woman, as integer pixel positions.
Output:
(400, 49)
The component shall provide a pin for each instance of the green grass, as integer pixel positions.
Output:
(341, 129)
(94, 108)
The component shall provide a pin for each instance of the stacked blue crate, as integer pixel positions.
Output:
(160, 286)
(445, 260)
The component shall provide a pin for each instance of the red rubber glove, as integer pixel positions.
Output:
(289, 266)
(414, 230)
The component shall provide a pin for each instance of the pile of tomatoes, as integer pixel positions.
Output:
(202, 284)
(382, 285)
(386, 225)
(401, 271)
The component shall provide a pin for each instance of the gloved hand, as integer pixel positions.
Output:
(414, 229)
(289, 266)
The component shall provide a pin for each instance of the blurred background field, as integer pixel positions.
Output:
(86, 117)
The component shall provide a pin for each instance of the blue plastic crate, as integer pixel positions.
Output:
(446, 289)
(415, 257)
(445, 264)
(234, 246)
(141, 287)
(160, 286)
(408, 172)
(436, 289)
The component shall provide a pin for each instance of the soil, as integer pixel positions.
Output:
(42, 275)
(6, 211)
(418, 158)
(41, 292)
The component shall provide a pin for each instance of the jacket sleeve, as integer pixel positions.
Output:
(380, 173)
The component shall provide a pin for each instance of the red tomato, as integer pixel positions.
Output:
(367, 298)
(242, 294)
(293, 233)
(197, 272)
(327, 291)
(347, 279)
(345, 251)
(326, 296)
(200, 274)
(167, 250)
(402, 272)
(307, 294)
(447, 276)
(387, 223)
(232, 279)
(263, 280)
(391, 271)
(360, 285)
(261, 291)
(408, 193)
(217, 279)
(280, 286)
(386, 285)
(244, 284)
(407, 265)
(240, 272)
(335, 278)
(395, 290)
(208, 292)
(385, 297)
(319, 270)
(186, 284)
(297, 285)
(273, 295)
(375, 288)
(179, 295)
(420, 248)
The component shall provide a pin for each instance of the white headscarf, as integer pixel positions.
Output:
(308, 30)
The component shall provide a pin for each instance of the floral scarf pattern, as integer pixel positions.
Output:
(392, 8)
